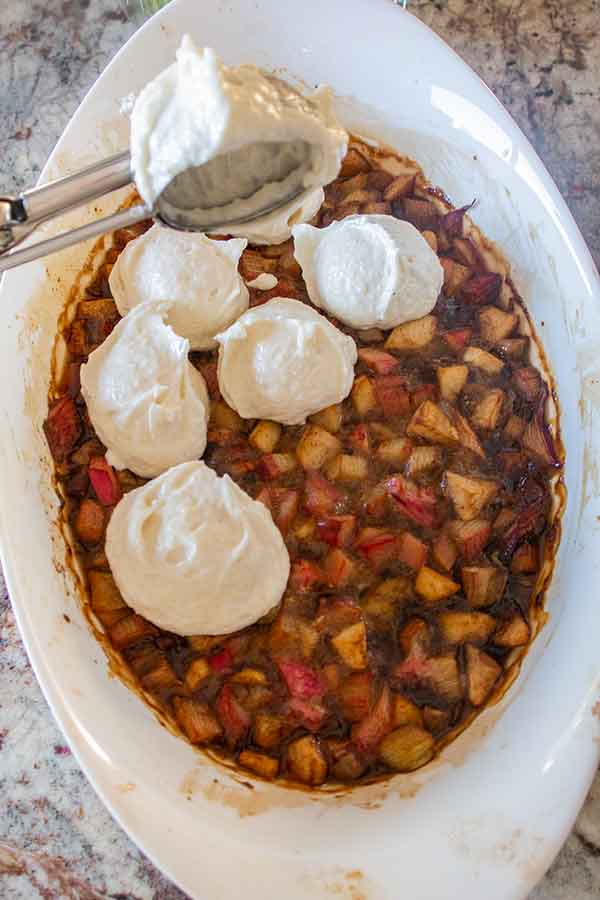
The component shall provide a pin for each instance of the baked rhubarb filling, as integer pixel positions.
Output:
(419, 516)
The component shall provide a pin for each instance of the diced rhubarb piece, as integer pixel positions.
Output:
(351, 645)
(452, 223)
(514, 428)
(495, 324)
(416, 503)
(265, 436)
(353, 163)
(90, 522)
(455, 276)
(395, 451)
(307, 713)
(483, 585)
(316, 447)
(433, 587)
(459, 627)
(452, 380)
(407, 748)
(469, 495)
(306, 761)
(525, 560)
(363, 395)
(392, 395)
(274, 465)
(232, 715)
(221, 661)
(329, 418)
(467, 438)
(465, 251)
(347, 467)
(208, 370)
(424, 392)
(527, 381)
(482, 674)
(356, 696)
(388, 596)
(259, 763)
(415, 638)
(430, 423)
(538, 440)
(285, 503)
(62, 428)
(484, 288)
(458, 339)
(196, 719)
(269, 730)
(470, 537)
(423, 460)
(337, 531)
(359, 439)
(305, 575)
(444, 551)
(481, 359)
(197, 672)
(302, 681)
(378, 360)
(377, 546)
(525, 522)
(129, 630)
(420, 213)
(104, 481)
(406, 712)
(321, 497)
(512, 633)
(443, 676)
(369, 732)
(487, 412)
(105, 598)
(399, 187)
(411, 551)
(336, 613)
(223, 437)
(412, 335)
(338, 568)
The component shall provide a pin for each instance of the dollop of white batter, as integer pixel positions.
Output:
(284, 361)
(148, 404)
(371, 271)
(194, 554)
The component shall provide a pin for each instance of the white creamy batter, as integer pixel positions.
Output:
(194, 554)
(235, 139)
(199, 277)
(148, 404)
(370, 271)
(284, 361)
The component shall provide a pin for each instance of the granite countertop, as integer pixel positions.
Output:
(542, 59)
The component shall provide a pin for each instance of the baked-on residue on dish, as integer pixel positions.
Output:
(420, 515)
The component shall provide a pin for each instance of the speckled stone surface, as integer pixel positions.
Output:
(542, 58)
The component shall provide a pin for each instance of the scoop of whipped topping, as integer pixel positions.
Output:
(370, 271)
(148, 404)
(198, 276)
(284, 361)
(232, 141)
(194, 554)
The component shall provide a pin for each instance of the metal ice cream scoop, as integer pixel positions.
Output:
(21, 215)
